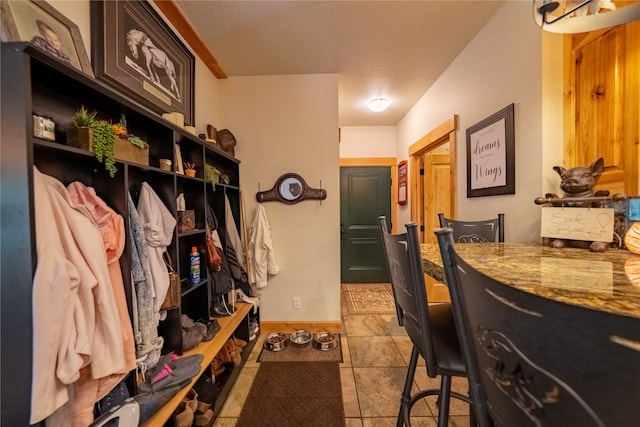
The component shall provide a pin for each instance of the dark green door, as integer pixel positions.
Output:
(365, 194)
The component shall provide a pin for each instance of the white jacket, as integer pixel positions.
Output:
(261, 253)
(158, 224)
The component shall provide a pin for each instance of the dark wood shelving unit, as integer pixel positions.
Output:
(35, 82)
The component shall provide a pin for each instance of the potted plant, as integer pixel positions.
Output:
(93, 135)
(107, 141)
(190, 169)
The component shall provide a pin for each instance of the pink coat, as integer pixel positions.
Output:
(75, 316)
(87, 391)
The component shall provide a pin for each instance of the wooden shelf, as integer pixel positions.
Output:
(209, 350)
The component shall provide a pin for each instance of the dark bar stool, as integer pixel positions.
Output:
(430, 327)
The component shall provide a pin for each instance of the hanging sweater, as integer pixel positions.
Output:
(87, 391)
(75, 317)
(261, 253)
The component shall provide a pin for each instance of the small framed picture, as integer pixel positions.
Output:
(44, 127)
(402, 183)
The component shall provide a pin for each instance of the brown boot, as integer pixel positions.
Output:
(184, 415)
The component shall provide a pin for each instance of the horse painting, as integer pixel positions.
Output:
(155, 59)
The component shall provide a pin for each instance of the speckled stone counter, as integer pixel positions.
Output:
(608, 281)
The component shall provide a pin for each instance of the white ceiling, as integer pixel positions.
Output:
(395, 49)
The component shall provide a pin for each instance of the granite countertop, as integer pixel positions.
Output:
(608, 281)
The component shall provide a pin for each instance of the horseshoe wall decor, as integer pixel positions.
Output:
(291, 188)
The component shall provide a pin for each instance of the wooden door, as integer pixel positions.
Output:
(601, 110)
(437, 198)
(433, 187)
(365, 194)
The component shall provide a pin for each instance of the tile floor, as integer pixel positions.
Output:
(376, 354)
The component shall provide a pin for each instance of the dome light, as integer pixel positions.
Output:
(378, 104)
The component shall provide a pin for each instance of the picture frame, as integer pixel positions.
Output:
(402, 183)
(135, 51)
(39, 23)
(491, 155)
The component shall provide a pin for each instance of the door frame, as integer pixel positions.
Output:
(380, 161)
(444, 132)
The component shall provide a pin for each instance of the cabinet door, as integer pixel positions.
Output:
(602, 114)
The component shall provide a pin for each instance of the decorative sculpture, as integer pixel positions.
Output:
(577, 184)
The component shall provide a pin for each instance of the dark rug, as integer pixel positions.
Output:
(302, 354)
(294, 394)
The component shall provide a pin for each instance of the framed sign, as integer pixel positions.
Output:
(402, 183)
(47, 29)
(135, 51)
(491, 155)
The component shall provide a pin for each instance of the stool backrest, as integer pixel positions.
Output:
(404, 261)
(533, 361)
(481, 231)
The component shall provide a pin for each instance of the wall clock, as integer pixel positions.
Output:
(291, 188)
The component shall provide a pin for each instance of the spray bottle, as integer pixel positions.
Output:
(194, 266)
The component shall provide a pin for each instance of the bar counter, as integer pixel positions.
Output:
(607, 281)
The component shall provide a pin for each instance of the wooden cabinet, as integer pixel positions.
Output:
(33, 82)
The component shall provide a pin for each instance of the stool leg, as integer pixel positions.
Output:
(444, 398)
(403, 414)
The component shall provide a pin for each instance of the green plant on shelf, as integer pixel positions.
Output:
(104, 136)
(104, 145)
(83, 118)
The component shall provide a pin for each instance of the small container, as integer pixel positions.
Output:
(194, 266)
(165, 165)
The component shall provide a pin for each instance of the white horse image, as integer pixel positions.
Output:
(155, 58)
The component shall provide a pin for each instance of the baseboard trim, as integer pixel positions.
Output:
(335, 327)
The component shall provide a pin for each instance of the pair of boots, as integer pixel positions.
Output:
(191, 409)
(220, 307)
(227, 355)
(231, 352)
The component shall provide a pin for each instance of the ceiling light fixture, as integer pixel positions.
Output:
(378, 104)
(587, 15)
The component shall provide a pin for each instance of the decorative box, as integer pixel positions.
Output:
(186, 220)
(124, 150)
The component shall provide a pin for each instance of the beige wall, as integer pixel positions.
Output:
(501, 65)
(367, 141)
(290, 124)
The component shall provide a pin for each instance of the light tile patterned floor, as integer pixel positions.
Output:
(376, 353)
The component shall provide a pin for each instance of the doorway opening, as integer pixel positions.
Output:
(432, 161)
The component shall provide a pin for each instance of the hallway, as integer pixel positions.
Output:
(375, 356)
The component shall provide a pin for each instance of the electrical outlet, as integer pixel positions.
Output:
(297, 302)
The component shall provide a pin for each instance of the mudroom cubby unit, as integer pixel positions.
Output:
(34, 83)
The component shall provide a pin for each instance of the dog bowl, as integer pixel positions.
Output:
(324, 341)
(300, 338)
(276, 341)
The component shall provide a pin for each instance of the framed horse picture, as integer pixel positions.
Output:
(135, 51)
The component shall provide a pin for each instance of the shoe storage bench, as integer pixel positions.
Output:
(236, 325)
(32, 82)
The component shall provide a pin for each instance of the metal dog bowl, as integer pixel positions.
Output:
(325, 341)
(300, 338)
(276, 341)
